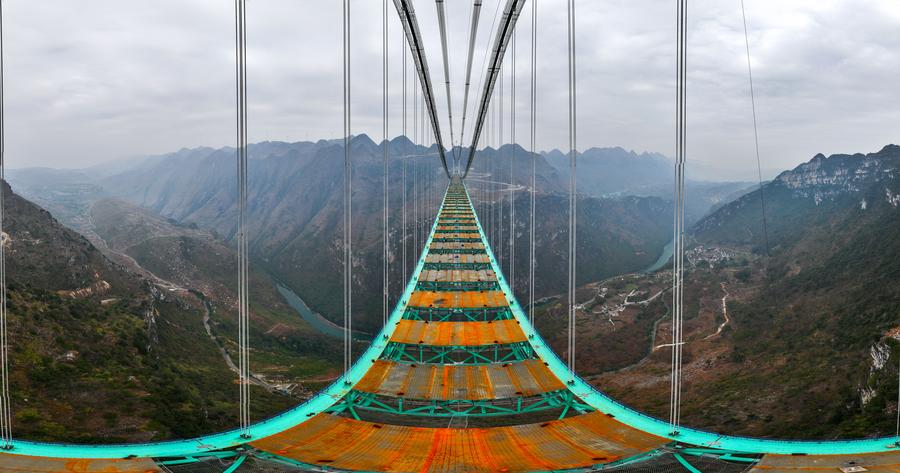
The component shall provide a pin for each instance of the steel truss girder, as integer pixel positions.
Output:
(561, 399)
(460, 355)
(457, 251)
(456, 240)
(457, 286)
(457, 266)
(432, 314)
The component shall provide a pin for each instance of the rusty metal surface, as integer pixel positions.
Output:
(574, 442)
(470, 228)
(459, 300)
(455, 245)
(26, 464)
(454, 258)
(458, 333)
(458, 235)
(457, 275)
(459, 382)
(872, 462)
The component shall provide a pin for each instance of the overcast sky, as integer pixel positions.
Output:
(96, 80)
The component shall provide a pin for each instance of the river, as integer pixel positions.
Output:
(663, 258)
(315, 319)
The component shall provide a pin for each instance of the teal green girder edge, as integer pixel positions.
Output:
(603, 403)
(271, 426)
(344, 384)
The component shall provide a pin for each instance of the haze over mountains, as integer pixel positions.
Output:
(817, 323)
(295, 210)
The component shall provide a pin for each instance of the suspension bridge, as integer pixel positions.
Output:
(458, 379)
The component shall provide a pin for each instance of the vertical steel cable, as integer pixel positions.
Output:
(243, 262)
(572, 184)
(678, 257)
(512, 160)
(348, 204)
(405, 223)
(5, 401)
(415, 184)
(403, 233)
(384, 122)
(500, 199)
(533, 118)
(762, 199)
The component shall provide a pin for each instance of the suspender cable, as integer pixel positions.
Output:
(5, 401)
(348, 204)
(243, 263)
(405, 223)
(403, 233)
(572, 190)
(512, 160)
(678, 257)
(473, 33)
(762, 198)
(500, 172)
(415, 210)
(533, 124)
(384, 122)
(442, 25)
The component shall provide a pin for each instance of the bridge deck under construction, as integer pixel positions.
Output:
(458, 381)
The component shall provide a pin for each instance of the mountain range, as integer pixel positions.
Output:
(792, 315)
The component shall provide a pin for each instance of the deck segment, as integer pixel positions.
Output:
(575, 442)
(459, 382)
(417, 332)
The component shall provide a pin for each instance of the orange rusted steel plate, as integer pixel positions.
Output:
(574, 442)
(456, 258)
(458, 299)
(468, 228)
(458, 235)
(26, 464)
(458, 333)
(888, 462)
(459, 382)
(457, 275)
(456, 245)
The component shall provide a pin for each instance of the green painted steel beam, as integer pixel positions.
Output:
(457, 266)
(457, 286)
(434, 314)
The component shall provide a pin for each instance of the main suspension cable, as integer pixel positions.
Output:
(572, 183)
(5, 401)
(470, 47)
(442, 25)
(762, 198)
(533, 124)
(348, 204)
(384, 122)
(243, 261)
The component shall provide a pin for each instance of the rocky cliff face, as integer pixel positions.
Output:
(828, 178)
(809, 195)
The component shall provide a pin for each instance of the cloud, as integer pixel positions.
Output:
(92, 81)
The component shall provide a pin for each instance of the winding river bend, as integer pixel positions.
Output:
(315, 319)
